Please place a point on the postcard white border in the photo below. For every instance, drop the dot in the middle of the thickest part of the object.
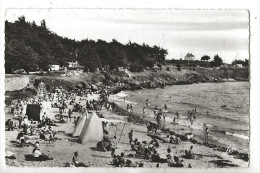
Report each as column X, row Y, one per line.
column 251, row 5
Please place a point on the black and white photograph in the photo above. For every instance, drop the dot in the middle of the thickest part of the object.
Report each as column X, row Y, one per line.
column 126, row 88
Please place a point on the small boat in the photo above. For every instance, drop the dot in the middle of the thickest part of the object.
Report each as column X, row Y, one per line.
column 223, row 106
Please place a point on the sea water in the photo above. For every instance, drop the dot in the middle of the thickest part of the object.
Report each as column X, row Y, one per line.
column 227, row 103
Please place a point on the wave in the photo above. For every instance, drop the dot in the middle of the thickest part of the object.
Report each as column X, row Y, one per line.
column 221, row 118
column 237, row 135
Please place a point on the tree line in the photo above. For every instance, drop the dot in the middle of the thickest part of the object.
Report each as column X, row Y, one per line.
column 216, row 62
column 32, row 47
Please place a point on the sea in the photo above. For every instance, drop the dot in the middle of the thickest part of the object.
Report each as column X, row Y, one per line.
column 227, row 104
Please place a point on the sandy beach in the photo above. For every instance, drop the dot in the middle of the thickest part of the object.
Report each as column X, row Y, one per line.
column 62, row 150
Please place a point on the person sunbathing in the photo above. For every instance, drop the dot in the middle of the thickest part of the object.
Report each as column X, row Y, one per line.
column 177, row 162
column 155, row 157
column 189, row 154
column 178, row 139
column 148, row 152
column 172, row 140
column 168, row 138
column 122, row 159
column 76, row 162
column 169, row 156
column 135, row 142
column 115, row 161
column 134, row 147
column 38, row 155
column 22, row 141
column 154, row 142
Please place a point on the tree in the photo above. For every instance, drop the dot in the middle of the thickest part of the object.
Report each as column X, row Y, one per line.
column 43, row 47
column 20, row 56
column 189, row 55
column 217, row 61
column 245, row 63
column 205, row 58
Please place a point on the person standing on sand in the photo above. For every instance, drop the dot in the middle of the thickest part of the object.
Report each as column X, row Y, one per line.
column 206, row 135
column 164, row 114
column 146, row 102
column 69, row 114
column 131, row 108
column 144, row 113
column 155, row 111
column 159, row 119
column 110, row 108
column 113, row 146
column 191, row 120
column 178, row 115
column 130, row 135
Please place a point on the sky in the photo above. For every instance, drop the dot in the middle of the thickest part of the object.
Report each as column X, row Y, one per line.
column 200, row 32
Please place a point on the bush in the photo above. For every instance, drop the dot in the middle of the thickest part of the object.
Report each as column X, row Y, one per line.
column 135, row 67
column 178, row 66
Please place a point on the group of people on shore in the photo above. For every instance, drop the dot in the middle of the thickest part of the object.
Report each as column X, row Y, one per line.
column 66, row 102
column 61, row 99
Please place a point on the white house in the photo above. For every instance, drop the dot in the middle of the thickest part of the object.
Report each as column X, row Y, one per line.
column 54, row 68
column 239, row 65
column 74, row 65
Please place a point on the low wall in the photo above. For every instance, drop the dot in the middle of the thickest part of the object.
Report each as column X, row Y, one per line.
column 13, row 83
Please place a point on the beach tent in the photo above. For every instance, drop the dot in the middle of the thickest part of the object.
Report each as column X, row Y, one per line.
column 79, row 126
column 92, row 130
column 33, row 112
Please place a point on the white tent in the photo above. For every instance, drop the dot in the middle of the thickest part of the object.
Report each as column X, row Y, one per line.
column 79, row 126
column 92, row 130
